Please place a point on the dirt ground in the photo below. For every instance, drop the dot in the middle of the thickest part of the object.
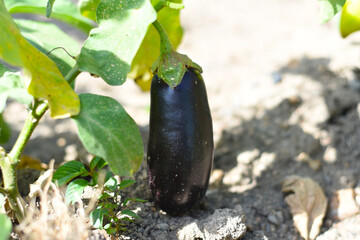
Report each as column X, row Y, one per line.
column 280, row 86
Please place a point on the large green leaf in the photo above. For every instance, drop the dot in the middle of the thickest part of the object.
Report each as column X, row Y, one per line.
column 149, row 50
column 63, row 10
column 88, row 8
column 5, row 226
column 329, row 8
column 111, row 47
column 13, row 86
column 46, row 80
column 106, row 130
column 47, row 36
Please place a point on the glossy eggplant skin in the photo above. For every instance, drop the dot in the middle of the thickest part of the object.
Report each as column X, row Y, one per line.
column 180, row 148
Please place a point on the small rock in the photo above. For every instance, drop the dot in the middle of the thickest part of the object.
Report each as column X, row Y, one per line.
column 222, row 224
column 257, row 235
column 347, row 229
column 272, row 219
column 216, row 178
column 190, row 232
column 248, row 156
column 163, row 226
column 343, row 204
column 279, row 216
column 330, row 155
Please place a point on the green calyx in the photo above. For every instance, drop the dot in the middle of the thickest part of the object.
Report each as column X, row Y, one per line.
column 171, row 67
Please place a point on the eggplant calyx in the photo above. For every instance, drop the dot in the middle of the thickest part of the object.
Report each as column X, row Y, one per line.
column 171, row 67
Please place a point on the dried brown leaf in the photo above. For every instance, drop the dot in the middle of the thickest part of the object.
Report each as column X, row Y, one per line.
column 307, row 204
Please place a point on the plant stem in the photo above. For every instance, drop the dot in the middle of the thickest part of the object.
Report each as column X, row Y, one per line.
column 165, row 43
column 162, row 3
column 9, row 162
column 30, row 124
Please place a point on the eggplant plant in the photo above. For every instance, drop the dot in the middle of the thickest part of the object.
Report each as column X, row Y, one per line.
column 40, row 63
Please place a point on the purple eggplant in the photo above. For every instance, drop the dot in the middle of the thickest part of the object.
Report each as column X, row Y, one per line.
column 180, row 148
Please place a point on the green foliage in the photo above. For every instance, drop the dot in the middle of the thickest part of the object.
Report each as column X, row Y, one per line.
column 68, row 171
column 5, row 226
column 329, row 8
column 63, row 10
column 149, row 50
column 46, row 79
column 88, row 8
column 111, row 47
column 109, row 202
column 46, row 37
column 74, row 190
column 49, row 7
column 106, row 130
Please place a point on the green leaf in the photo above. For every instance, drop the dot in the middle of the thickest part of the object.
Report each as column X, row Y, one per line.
column 74, row 190
column 129, row 213
column 329, row 8
column 111, row 47
column 46, row 79
column 49, row 7
column 68, row 171
column 47, row 36
column 350, row 18
column 111, row 183
column 126, row 183
column 97, row 217
column 88, row 8
column 97, row 162
column 106, row 130
column 63, row 10
column 5, row 226
column 149, row 50
column 13, row 86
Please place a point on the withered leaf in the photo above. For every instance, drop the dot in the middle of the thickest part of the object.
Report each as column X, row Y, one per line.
column 307, row 204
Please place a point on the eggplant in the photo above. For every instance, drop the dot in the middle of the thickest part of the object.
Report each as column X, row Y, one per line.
column 180, row 148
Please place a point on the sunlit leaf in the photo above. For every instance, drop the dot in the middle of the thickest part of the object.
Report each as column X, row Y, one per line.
column 45, row 78
column 68, row 171
column 74, row 190
column 149, row 50
column 63, row 10
column 307, row 205
column 88, row 8
column 46, row 37
column 97, row 217
column 111, row 47
column 329, row 8
column 350, row 18
column 129, row 213
column 106, row 130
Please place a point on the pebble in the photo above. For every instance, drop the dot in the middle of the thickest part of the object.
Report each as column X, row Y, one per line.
column 330, row 155
column 163, row 226
column 248, row 156
column 272, row 219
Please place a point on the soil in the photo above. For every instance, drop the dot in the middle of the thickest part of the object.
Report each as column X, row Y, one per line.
column 280, row 86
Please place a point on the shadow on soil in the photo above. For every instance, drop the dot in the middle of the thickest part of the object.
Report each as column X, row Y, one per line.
column 256, row 185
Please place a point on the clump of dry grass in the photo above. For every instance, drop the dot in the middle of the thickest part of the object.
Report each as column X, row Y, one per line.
column 48, row 216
